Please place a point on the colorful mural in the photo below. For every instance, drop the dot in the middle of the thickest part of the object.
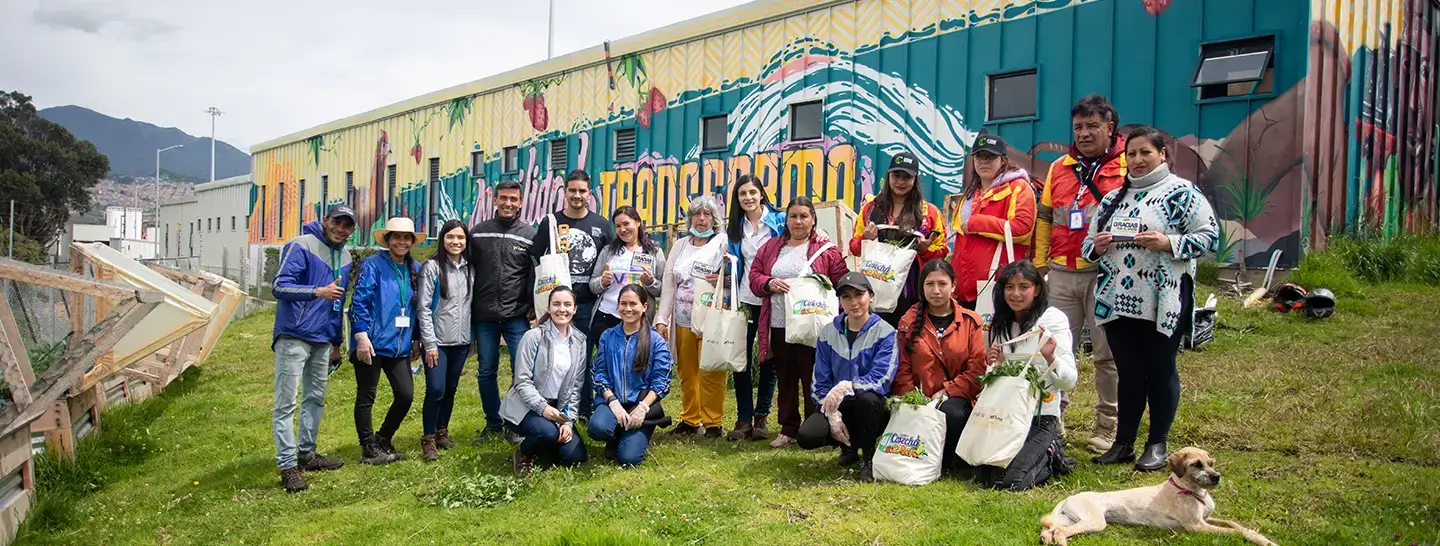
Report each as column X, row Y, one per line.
column 1341, row 139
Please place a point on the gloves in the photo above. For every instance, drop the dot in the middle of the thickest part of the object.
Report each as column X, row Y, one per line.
column 363, row 349
column 622, row 418
column 940, row 396
column 831, row 403
column 637, row 416
column 837, row 428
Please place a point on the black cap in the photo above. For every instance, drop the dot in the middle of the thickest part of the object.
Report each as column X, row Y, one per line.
column 988, row 143
column 904, row 162
column 341, row 211
column 854, row 280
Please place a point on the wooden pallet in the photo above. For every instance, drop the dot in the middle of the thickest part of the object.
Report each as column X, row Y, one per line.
column 17, row 482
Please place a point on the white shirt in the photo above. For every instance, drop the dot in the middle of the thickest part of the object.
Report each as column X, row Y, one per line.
column 549, row 383
column 755, row 234
column 619, row 263
column 791, row 263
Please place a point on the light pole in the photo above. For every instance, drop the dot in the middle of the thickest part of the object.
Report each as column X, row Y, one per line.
column 550, row 45
column 214, row 113
column 157, row 193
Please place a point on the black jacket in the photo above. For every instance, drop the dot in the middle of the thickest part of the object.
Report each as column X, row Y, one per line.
column 504, row 273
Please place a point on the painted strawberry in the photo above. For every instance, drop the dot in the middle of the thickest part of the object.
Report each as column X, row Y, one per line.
column 643, row 115
column 1156, row 7
column 416, row 152
column 529, row 103
column 657, row 100
column 540, row 117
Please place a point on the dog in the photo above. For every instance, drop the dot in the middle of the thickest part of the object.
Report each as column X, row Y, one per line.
column 1182, row 502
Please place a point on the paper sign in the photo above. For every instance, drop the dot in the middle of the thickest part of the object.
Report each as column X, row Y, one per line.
column 1125, row 229
column 641, row 260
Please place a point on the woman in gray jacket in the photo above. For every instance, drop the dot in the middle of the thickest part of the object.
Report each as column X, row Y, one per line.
column 543, row 403
column 444, row 313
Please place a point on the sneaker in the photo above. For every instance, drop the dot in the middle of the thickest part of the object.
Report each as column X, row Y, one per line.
column 685, row 429
column 848, row 456
column 780, row 441
column 370, row 453
column 442, row 439
column 292, row 480
column 316, row 462
column 428, row 450
column 1100, row 440
column 513, row 438
column 867, row 472
column 388, row 447
column 758, row 430
column 522, row 463
column 742, row 430
column 713, row 432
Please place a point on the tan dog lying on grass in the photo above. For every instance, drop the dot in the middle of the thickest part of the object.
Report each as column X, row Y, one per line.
column 1182, row 502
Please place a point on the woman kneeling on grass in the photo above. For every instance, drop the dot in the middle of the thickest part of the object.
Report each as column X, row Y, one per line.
column 542, row 404
column 855, row 361
column 942, row 352
column 1022, row 305
column 632, row 374
column 382, row 313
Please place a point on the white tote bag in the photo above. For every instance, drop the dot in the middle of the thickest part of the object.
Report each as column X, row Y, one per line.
column 553, row 271
column 887, row 266
column 912, row 448
column 985, row 302
column 1000, row 421
column 705, row 292
column 722, row 340
column 811, row 304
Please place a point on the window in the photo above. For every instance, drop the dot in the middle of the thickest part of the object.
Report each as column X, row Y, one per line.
column 806, row 121
column 624, row 145
column 324, row 193
column 558, row 149
column 350, row 186
column 263, row 215
column 477, row 164
column 1236, row 68
column 390, row 191
column 434, row 192
column 280, row 211
column 713, row 133
column 299, row 208
column 1012, row 95
column 217, row 224
column 510, row 160
column 232, row 223
column 208, row 225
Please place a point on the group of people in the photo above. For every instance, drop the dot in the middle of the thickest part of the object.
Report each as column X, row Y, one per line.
column 1109, row 244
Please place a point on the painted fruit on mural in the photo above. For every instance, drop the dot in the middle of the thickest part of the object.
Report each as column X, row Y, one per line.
column 1156, row 7
column 533, row 93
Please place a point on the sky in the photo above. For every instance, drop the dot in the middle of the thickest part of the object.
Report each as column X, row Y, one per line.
column 276, row 67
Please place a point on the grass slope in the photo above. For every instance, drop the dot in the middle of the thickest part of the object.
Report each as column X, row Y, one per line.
column 1326, row 433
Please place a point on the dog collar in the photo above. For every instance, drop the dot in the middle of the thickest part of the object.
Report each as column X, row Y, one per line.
column 1199, row 497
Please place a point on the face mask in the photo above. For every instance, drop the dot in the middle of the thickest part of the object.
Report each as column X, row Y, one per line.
column 702, row 234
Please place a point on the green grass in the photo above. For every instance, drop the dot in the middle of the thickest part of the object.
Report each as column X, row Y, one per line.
column 1326, row 433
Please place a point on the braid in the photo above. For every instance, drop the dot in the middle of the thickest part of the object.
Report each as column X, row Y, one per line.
column 918, row 325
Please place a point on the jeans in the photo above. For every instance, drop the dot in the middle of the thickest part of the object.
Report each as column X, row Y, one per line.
column 298, row 363
column 487, row 366
column 865, row 417
column 1034, row 464
column 542, row 436
column 598, row 326
column 367, row 380
column 441, row 382
column 630, row 445
column 582, row 321
column 747, row 408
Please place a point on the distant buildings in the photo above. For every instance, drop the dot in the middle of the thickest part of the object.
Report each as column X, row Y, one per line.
column 123, row 230
column 210, row 231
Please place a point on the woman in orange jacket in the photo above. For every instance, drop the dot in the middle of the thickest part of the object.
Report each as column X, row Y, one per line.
column 942, row 353
column 908, row 218
column 998, row 193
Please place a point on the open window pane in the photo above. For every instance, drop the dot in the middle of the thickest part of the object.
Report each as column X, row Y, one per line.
column 1236, row 68
column 1012, row 96
column 1245, row 67
column 714, row 133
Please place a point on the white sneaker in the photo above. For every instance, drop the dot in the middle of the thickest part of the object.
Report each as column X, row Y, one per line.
column 780, row 441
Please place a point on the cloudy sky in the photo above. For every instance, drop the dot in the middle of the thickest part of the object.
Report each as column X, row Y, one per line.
column 280, row 66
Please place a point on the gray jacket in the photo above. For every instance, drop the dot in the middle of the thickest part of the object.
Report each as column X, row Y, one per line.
column 532, row 359
column 448, row 322
column 654, row 288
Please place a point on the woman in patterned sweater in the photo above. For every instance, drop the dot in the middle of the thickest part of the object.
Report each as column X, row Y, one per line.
column 1145, row 239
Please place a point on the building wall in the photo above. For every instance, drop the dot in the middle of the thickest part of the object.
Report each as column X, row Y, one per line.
column 223, row 209
column 892, row 73
column 180, row 240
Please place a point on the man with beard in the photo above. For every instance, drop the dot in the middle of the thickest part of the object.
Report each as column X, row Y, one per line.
column 500, row 253
column 580, row 234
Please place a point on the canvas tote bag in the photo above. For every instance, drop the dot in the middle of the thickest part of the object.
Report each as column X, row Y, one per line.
column 723, row 347
column 811, row 304
column 553, row 271
column 888, row 267
column 1000, row 421
column 985, row 303
column 704, row 291
column 911, row 449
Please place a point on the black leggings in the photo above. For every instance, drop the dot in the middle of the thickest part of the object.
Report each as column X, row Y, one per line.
column 1035, row 462
column 957, row 413
column 1145, row 361
column 864, row 415
column 367, row 379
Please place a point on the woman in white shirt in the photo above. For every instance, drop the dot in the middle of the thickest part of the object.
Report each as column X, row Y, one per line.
column 630, row 258
column 753, row 221
column 697, row 255
column 543, row 403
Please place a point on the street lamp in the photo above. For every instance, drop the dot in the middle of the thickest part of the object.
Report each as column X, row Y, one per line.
column 214, row 113
column 157, row 194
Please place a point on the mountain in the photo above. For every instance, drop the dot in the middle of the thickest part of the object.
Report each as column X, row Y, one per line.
column 131, row 146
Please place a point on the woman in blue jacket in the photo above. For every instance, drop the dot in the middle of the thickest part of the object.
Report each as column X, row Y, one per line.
column 385, row 337
column 632, row 375
column 753, row 220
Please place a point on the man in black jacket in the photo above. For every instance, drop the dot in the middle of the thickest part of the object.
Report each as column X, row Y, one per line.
column 504, row 275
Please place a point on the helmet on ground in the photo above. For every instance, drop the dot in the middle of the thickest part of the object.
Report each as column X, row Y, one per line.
column 1289, row 297
column 1320, row 303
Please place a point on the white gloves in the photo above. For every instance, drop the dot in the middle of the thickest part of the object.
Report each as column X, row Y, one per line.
column 363, row 349
column 837, row 428
column 831, row 403
column 940, row 396
column 622, row 417
column 637, row 416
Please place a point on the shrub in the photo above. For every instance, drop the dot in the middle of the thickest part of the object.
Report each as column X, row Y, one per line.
column 1326, row 270
column 482, row 491
column 1207, row 272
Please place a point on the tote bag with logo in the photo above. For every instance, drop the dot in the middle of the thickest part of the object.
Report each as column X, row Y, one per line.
column 888, row 267
column 1000, row 421
column 704, row 291
column 811, row 304
column 985, row 303
column 553, row 271
column 912, row 448
column 722, row 340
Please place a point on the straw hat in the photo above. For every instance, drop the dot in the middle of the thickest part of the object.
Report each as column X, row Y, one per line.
column 398, row 225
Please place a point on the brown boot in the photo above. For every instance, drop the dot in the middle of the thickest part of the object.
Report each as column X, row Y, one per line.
column 442, row 439
column 742, row 429
column 758, row 431
column 428, row 449
column 292, row 480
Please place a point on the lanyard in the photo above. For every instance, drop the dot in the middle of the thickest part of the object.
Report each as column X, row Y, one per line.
column 404, row 272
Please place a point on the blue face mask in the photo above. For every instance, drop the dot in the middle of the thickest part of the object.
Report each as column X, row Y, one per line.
column 702, row 234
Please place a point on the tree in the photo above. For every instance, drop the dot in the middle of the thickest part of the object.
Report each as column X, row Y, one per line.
column 44, row 169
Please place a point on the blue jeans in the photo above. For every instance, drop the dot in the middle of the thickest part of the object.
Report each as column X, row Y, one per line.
column 487, row 366
column 746, row 406
column 630, row 445
column 583, row 315
column 298, row 363
column 440, row 385
column 542, row 436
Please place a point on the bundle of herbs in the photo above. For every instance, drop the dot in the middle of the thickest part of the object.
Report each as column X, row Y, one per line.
column 1015, row 368
column 914, row 398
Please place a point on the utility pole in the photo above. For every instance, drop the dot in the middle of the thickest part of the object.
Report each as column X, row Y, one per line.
column 550, row 47
column 214, row 113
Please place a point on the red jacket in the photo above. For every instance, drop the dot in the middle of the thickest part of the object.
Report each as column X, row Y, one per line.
column 1010, row 200
column 830, row 263
column 1055, row 242
column 953, row 361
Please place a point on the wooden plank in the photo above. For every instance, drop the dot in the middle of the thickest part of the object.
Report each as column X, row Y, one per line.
column 14, row 360
column 75, row 301
column 141, row 374
column 22, row 272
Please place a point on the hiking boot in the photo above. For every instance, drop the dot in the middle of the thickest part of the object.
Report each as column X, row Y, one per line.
column 867, row 472
column 1152, row 458
column 485, row 434
column 388, row 447
column 1100, row 439
column 522, row 463
column 428, row 451
column 849, row 456
column 371, row 453
column 713, row 432
column 1117, row 454
column 742, row 430
column 292, row 480
column 685, row 429
column 316, row 462
column 758, row 430
column 513, row 438
column 442, row 439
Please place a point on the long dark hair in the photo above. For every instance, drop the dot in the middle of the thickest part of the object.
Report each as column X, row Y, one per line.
column 921, row 308
column 616, row 245
column 1004, row 316
column 736, row 228
column 441, row 255
column 642, row 338
column 562, row 289
column 910, row 216
column 801, row 201
column 1156, row 139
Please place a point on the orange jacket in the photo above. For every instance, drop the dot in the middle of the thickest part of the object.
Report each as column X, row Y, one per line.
column 932, row 221
column 1011, row 200
column 953, row 361
column 1055, row 242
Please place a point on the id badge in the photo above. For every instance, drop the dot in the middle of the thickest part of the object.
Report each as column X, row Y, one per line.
column 1125, row 229
column 1077, row 219
column 402, row 321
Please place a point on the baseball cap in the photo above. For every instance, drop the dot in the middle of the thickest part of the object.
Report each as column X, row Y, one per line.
column 341, row 211
column 904, row 162
column 988, row 143
column 853, row 280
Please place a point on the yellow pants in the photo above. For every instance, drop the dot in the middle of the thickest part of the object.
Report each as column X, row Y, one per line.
column 702, row 394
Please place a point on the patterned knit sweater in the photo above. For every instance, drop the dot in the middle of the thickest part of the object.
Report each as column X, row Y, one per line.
column 1139, row 283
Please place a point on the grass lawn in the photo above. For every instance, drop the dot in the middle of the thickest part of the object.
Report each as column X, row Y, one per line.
column 1326, row 433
